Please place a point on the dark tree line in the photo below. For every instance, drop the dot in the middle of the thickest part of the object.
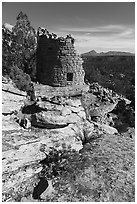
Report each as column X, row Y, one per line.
column 114, row 72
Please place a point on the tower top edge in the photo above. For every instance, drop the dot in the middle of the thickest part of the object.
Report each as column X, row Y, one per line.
column 43, row 32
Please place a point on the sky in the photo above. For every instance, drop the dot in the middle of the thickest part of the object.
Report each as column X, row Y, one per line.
column 100, row 26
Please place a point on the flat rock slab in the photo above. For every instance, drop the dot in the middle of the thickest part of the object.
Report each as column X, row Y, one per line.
column 11, row 88
column 12, row 98
column 21, row 154
column 107, row 129
column 53, row 119
column 8, row 123
column 102, row 109
column 11, row 102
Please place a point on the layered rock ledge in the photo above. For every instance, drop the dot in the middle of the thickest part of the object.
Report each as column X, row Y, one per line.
column 57, row 117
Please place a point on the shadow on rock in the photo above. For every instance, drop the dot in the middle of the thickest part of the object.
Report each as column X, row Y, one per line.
column 40, row 188
column 31, row 109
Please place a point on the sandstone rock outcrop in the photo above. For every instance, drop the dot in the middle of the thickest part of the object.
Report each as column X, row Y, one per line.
column 107, row 129
column 56, row 120
column 12, row 101
column 22, row 154
column 12, row 98
column 54, row 116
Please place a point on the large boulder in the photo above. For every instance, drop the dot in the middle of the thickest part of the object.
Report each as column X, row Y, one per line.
column 69, row 135
column 52, row 114
column 74, row 103
column 102, row 109
column 54, row 119
column 65, row 111
column 76, row 109
column 46, row 105
column 96, row 108
column 48, row 119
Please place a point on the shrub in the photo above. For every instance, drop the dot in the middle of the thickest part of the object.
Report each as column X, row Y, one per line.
column 102, row 172
column 21, row 80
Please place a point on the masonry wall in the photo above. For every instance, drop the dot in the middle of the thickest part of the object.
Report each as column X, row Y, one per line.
column 58, row 64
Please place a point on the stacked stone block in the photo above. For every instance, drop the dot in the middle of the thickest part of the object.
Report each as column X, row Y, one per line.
column 58, row 63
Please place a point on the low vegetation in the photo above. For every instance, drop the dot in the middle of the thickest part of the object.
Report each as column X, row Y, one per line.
column 102, row 172
column 21, row 79
column 114, row 72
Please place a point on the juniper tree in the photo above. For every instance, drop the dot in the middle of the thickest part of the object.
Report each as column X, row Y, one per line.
column 24, row 44
column 18, row 52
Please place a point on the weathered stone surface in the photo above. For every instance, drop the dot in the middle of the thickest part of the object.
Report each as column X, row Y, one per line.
column 12, row 101
column 46, row 91
column 73, row 118
column 63, row 120
column 45, row 105
column 65, row 111
column 22, row 153
column 43, row 119
column 54, row 119
column 76, row 109
column 24, row 148
column 68, row 135
column 20, row 158
column 102, row 109
column 58, row 64
column 8, row 86
column 107, row 129
column 20, row 176
column 82, row 114
column 8, row 123
column 74, row 103
column 87, row 99
column 54, row 115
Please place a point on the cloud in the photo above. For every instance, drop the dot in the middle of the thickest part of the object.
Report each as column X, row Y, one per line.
column 98, row 29
column 105, row 43
column 102, row 38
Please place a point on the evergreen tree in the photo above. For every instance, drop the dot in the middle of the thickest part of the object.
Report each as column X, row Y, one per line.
column 24, row 44
column 6, row 50
column 19, row 52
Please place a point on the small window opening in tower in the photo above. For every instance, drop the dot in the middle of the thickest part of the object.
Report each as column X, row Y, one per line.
column 69, row 76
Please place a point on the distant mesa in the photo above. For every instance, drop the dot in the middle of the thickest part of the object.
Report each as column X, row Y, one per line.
column 109, row 53
column 92, row 52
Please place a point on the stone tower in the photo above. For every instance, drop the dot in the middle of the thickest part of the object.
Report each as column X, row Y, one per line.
column 58, row 64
